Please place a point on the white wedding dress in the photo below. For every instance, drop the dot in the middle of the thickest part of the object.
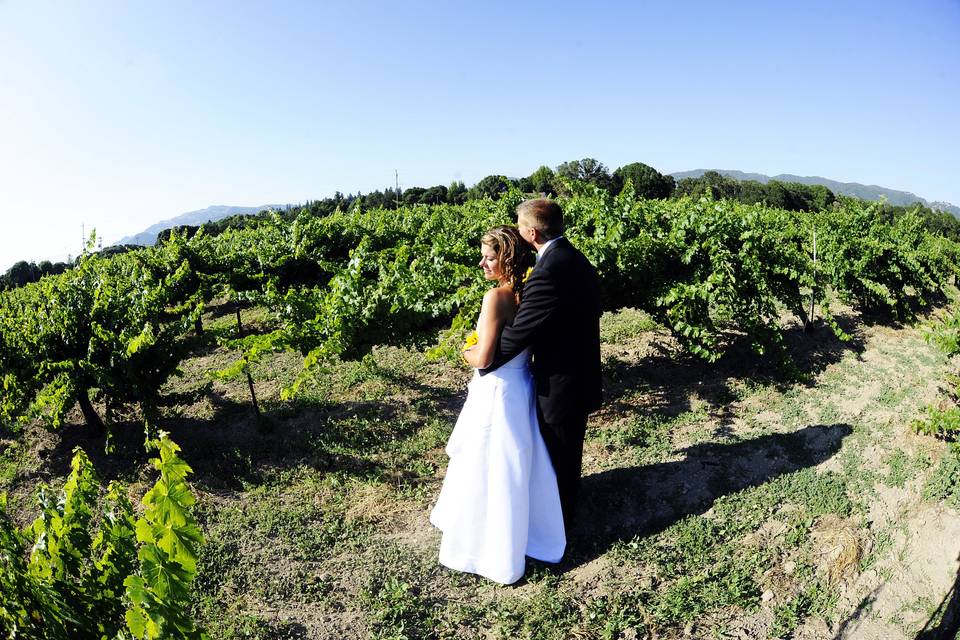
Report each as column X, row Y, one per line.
column 499, row 500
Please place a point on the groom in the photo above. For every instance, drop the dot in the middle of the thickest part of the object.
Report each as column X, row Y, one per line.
column 559, row 317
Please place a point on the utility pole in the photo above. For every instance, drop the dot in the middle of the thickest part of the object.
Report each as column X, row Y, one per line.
column 396, row 192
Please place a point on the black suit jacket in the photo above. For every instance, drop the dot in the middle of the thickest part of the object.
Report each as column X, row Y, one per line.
column 559, row 317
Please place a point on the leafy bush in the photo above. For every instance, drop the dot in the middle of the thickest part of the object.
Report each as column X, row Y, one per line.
column 943, row 423
column 944, row 483
column 106, row 576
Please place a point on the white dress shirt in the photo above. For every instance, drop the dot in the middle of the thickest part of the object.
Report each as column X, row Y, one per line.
column 546, row 245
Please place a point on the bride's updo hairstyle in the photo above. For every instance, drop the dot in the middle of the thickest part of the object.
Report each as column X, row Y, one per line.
column 513, row 253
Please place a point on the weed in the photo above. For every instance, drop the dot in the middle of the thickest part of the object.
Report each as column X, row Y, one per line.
column 396, row 610
column 900, row 469
column 882, row 543
column 548, row 614
column 625, row 324
column 944, row 483
column 13, row 459
column 610, row 615
column 702, row 568
column 647, row 436
column 815, row 599
column 253, row 627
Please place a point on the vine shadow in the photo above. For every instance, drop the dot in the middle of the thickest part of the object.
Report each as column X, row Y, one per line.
column 667, row 381
column 944, row 624
column 232, row 448
column 863, row 607
column 622, row 504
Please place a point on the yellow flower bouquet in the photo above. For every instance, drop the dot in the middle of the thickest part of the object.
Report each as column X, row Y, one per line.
column 472, row 341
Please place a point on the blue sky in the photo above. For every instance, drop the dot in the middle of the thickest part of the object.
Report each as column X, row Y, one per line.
column 120, row 114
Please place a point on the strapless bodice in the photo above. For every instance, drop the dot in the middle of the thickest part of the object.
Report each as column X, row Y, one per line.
column 519, row 361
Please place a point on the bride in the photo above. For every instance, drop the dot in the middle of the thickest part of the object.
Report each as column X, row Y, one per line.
column 499, row 500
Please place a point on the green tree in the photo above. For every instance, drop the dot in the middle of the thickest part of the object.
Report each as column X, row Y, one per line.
column 492, row 186
column 752, row 192
column 524, row 185
column 22, row 273
column 587, row 170
column 542, row 180
column 647, row 182
column 434, row 195
column 456, row 192
column 412, row 195
column 714, row 183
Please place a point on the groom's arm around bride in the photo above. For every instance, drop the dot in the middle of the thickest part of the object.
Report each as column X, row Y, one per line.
column 559, row 318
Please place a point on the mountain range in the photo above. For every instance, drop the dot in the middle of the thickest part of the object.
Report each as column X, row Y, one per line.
column 864, row 191
column 855, row 189
column 148, row 236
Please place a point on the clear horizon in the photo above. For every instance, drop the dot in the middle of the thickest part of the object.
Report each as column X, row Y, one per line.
column 119, row 115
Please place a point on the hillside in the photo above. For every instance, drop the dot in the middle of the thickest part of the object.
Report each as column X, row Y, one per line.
column 148, row 236
column 854, row 189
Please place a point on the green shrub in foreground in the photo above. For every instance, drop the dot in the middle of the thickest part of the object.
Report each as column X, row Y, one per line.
column 118, row 578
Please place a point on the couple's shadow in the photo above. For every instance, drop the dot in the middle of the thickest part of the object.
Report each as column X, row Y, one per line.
column 622, row 504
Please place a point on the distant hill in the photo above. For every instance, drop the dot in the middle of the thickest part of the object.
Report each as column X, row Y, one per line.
column 148, row 237
column 855, row 189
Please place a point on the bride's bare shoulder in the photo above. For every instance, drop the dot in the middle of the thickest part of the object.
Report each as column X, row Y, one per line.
column 500, row 299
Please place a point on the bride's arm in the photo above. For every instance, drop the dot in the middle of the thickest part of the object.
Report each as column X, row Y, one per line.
column 493, row 315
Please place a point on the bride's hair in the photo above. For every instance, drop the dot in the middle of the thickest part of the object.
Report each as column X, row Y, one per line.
column 513, row 253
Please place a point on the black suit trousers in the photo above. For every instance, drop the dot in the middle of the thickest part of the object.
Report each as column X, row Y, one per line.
column 564, row 442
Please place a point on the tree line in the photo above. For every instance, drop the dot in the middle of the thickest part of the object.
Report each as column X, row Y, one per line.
column 645, row 181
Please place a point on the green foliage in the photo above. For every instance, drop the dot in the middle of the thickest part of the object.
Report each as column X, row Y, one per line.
column 334, row 285
column 944, row 483
column 28, row 608
column 117, row 326
column 169, row 538
column 646, row 181
column 882, row 266
column 703, row 269
column 945, row 333
column 103, row 577
column 943, row 423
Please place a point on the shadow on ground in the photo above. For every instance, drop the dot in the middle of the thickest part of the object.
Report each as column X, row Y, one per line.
column 944, row 624
column 622, row 504
column 233, row 448
column 666, row 380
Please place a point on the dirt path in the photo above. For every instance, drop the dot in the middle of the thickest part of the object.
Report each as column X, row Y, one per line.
column 916, row 544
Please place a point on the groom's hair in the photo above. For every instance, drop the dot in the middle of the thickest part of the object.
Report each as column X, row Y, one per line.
column 542, row 214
